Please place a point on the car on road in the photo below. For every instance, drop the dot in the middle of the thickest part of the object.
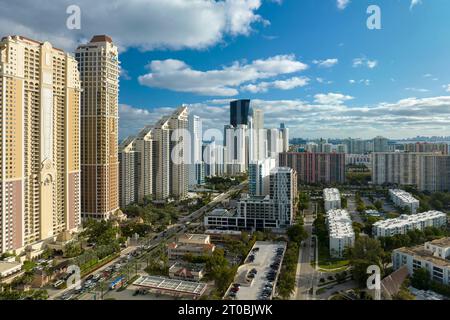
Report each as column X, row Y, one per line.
column 67, row 296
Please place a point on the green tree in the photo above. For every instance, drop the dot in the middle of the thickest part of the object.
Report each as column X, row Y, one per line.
column 297, row 233
column 421, row 279
column 366, row 252
column 72, row 249
column 378, row 205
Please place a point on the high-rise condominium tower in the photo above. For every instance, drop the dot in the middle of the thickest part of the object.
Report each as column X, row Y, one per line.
column 99, row 69
column 179, row 170
column 39, row 146
column 154, row 163
column 239, row 112
column 196, row 165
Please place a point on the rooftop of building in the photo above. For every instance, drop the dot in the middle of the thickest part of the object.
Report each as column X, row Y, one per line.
column 443, row 243
column 339, row 223
column 32, row 41
column 193, row 267
column 420, row 253
column 6, row 266
column 281, row 170
column 220, row 213
column 145, row 131
column 101, row 38
column 331, row 194
column 403, row 196
column 223, row 232
column 407, row 219
column 193, row 237
column 171, row 285
column 126, row 145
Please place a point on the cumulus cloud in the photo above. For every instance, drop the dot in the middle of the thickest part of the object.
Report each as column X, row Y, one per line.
column 328, row 63
column 331, row 98
column 177, row 76
column 364, row 62
column 446, row 87
column 288, row 84
column 145, row 24
column 342, row 4
column 404, row 118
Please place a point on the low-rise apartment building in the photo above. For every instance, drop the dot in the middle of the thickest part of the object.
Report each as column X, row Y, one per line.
column 404, row 199
column 331, row 199
column 404, row 223
column 341, row 234
column 194, row 244
column 187, row 272
column 433, row 256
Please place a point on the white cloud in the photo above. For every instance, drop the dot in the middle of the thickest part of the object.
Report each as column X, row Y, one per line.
column 323, row 81
column 414, row 3
column 176, row 75
column 446, row 87
column 124, row 74
column 421, row 90
column 145, row 24
column 342, row 4
column 360, row 62
column 404, row 118
column 288, row 84
column 366, row 82
column 328, row 63
column 331, row 98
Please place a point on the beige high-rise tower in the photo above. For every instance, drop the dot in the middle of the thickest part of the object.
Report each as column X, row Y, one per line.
column 99, row 70
column 39, row 143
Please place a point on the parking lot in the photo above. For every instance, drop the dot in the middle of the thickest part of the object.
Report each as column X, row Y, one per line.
column 257, row 277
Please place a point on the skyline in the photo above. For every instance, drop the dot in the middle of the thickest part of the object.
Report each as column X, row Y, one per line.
column 330, row 77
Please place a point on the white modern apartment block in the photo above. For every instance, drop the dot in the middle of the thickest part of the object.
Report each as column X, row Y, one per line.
column 127, row 172
column 404, row 223
column 259, row 176
column 283, row 191
column 331, row 199
column 258, row 137
column 340, row 229
column 273, row 211
column 144, row 147
column 404, row 199
column 276, row 143
column 213, row 158
column 433, row 256
column 196, row 166
column 154, row 161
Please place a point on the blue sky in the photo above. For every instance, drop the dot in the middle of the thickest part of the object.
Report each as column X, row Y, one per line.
column 312, row 64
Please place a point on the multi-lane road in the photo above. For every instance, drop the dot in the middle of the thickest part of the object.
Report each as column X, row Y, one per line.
column 306, row 278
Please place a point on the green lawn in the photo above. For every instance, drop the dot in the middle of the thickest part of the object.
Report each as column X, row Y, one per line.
column 328, row 263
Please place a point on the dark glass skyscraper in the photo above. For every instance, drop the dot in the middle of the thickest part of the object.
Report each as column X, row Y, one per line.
column 239, row 112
